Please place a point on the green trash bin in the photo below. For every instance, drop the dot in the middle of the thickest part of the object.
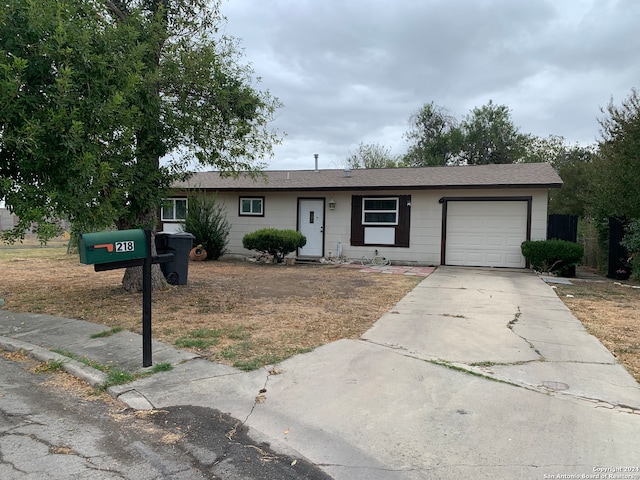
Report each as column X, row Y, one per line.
column 180, row 244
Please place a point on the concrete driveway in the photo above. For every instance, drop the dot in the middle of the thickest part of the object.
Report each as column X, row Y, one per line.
column 474, row 374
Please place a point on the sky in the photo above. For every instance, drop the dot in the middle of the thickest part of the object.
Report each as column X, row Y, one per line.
column 352, row 71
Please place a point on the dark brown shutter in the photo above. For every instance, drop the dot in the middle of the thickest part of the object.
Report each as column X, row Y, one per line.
column 404, row 221
column 357, row 229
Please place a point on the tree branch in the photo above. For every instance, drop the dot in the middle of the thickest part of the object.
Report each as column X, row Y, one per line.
column 117, row 8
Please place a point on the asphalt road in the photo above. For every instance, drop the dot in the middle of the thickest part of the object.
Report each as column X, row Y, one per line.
column 54, row 432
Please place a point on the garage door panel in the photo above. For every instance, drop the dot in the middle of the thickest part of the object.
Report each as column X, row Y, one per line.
column 475, row 257
column 512, row 241
column 459, row 240
column 492, row 241
column 491, row 222
column 493, row 257
column 474, row 241
column 455, row 258
column 513, row 259
column 486, row 233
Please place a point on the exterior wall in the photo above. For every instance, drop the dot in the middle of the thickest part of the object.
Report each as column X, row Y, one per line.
column 281, row 209
column 539, row 216
column 7, row 219
column 426, row 223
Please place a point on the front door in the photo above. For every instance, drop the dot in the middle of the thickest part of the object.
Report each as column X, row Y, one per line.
column 311, row 225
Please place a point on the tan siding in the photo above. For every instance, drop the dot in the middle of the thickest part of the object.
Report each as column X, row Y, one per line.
column 426, row 219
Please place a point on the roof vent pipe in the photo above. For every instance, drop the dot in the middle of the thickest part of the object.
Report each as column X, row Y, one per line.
column 315, row 155
column 347, row 172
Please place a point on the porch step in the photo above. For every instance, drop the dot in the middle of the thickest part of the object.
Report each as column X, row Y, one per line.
column 308, row 260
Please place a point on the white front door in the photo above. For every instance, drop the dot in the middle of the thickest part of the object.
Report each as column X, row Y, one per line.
column 311, row 225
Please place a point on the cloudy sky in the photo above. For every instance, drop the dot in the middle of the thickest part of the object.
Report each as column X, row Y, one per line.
column 351, row 71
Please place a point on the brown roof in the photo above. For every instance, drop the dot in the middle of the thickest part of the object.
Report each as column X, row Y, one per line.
column 540, row 175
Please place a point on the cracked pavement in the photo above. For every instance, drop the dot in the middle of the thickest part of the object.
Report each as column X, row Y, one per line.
column 46, row 434
column 50, row 431
column 476, row 373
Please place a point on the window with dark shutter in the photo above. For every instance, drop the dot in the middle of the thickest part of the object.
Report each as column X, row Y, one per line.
column 404, row 221
column 357, row 229
column 380, row 220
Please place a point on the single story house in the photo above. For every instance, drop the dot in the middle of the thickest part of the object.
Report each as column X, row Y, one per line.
column 464, row 215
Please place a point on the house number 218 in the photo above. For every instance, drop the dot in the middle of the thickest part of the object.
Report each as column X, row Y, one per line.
column 125, row 246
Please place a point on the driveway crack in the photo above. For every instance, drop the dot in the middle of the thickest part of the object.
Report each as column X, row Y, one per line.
column 515, row 319
column 393, row 346
column 260, row 398
column 512, row 323
column 599, row 403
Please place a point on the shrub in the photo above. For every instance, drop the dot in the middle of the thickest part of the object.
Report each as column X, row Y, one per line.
column 45, row 231
column 552, row 255
column 631, row 241
column 207, row 221
column 274, row 242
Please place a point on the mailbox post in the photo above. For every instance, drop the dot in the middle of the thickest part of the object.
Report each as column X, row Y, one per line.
column 121, row 249
column 147, row 360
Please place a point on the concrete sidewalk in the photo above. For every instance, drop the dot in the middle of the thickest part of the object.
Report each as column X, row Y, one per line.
column 474, row 374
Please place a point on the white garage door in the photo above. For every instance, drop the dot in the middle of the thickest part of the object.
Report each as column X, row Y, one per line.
column 486, row 234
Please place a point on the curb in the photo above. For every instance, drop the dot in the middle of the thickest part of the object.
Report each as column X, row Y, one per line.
column 131, row 397
column 93, row 377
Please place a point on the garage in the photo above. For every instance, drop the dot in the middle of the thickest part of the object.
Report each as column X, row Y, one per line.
column 485, row 232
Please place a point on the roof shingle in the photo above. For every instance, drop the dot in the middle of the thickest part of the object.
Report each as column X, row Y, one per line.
column 522, row 175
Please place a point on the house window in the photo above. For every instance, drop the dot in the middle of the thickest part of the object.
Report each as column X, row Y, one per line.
column 252, row 206
column 380, row 211
column 174, row 209
column 383, row 220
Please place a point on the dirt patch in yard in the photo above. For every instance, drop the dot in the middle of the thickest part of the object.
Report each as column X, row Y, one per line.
column 235, row 312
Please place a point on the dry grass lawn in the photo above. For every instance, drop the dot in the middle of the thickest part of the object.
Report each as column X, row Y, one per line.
column 248, row 315
column 611, row 312
column 235, row 312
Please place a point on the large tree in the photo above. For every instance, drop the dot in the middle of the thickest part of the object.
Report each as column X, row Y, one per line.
column 96, row 92
column 64, row 114
column 576, row 166
column 486, row 135
column 617, row 190
column 490, row 136
column 371, row 155
column 552, row 149
column 434, row 137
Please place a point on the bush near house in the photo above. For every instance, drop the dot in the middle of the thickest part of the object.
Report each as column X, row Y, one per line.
column 207, row 221
column 552, row 255
column 272, row 241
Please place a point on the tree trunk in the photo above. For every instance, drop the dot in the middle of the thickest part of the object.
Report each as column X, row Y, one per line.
column 132, row 279
column 150, row 145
